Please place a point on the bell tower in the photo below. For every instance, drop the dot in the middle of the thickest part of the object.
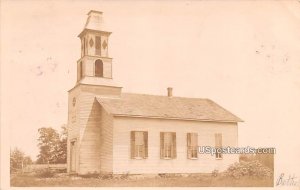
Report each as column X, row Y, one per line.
column 95, row 66
column 94, row 80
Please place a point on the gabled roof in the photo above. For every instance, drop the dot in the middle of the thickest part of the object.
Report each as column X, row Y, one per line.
column 151, row 106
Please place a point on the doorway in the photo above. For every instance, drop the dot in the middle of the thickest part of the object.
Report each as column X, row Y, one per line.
column 73, row 156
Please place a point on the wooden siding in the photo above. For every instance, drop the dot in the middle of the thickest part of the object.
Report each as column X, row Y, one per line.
column 99, row 91
column 104, row 52
column 181, row 164
column 89, row 147
column 107, row 68
column 89, row 66
column 73, row 125
column 106, row 142
column 86, row 129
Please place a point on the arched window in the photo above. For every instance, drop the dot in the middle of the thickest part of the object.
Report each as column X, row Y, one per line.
column 98, row 68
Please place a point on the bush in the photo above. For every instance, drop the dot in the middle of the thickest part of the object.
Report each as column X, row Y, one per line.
column 247, row 157
column 125, row 175
column 106, row 176
column 61, row 170
column 215, row 173
column 44, row 173
column 90, row 175
column 252, row 168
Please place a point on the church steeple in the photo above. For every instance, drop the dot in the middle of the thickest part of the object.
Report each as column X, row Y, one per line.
column 94, row 80
column 95, row 65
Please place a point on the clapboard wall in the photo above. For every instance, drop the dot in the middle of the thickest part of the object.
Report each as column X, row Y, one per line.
column 85, row 119
column 181, row 164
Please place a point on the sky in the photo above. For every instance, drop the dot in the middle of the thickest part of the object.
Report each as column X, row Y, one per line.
column 244, row 55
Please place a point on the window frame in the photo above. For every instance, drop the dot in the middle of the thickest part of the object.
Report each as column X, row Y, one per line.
column 81, row 70
column 134, row 151
column 83, row 46
column 99, row 66
column 171, row 148
column 73, row 154
column 192, row 149
column 218, row 145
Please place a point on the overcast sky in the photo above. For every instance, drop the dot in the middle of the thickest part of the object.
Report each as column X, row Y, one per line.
column 244, row 55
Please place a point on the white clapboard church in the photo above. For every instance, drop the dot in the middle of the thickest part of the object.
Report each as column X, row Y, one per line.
column 114, row 132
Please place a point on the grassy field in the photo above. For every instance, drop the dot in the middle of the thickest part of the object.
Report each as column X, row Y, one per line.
column 22, row 180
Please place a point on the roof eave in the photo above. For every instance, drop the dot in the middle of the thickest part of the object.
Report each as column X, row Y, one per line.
column 91, row 30
column 176, row 118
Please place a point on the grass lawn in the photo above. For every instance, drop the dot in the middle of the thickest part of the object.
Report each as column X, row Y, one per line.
column 25, row 180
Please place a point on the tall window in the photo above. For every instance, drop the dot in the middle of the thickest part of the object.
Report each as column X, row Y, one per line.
column 218, row 142
column 80, row 70
column 139, row 144
column 192, row 145
column 73, row 156
column 168, row 145
column 99, row 68
column 98, row 45
column 86, row 46
column 83, row 46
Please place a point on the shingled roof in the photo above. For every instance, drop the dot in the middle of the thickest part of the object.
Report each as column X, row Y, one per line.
column 140, row 105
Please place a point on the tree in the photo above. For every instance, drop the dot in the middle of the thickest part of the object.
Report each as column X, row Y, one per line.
column 48, row 144
column 27, row 160
column 18, row 160
column 52, row 145
column 62, row 148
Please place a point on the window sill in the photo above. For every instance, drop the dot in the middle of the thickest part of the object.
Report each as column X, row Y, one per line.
column 193, row 158
column 219, row 158
column 167, row 158
column 138, row 158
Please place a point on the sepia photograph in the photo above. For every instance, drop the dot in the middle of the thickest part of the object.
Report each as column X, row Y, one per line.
column 150, row 93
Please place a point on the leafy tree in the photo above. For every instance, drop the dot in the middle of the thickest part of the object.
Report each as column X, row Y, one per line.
column 18, row 160
column 27, row 160
column 48, row 144
column 52, row 145
column 62, row 148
